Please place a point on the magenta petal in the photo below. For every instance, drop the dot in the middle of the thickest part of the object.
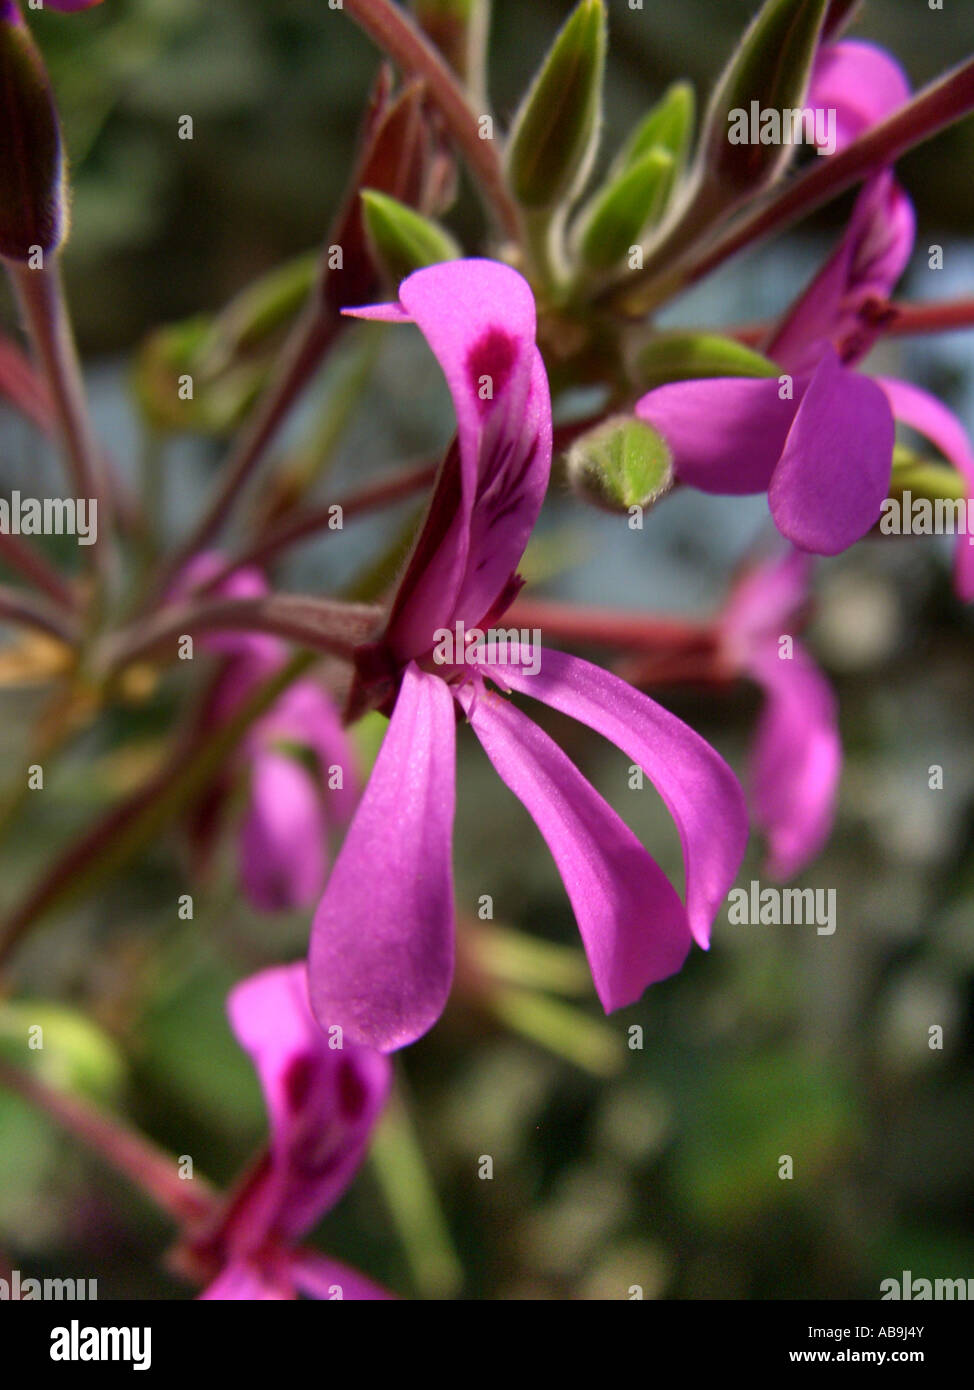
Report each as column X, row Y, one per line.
column 243, row 1280
column 478, row 316
column 322, row 1101
column 632, row 923
column 796, row 760
column 318, row 1276
column 861, row 82
column 925, row 414
column 306, row 715
column 764, row 601
column 283, row 837
column 700, row 791
column 381, row 958
column 726, row 433
column 829, row 487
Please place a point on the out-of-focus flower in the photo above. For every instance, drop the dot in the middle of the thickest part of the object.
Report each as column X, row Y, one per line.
column 322, row 1101
column 796, row 758
column 382, row 944
column 300, row 764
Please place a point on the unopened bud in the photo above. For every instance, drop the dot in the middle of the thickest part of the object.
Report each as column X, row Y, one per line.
column 621, row 463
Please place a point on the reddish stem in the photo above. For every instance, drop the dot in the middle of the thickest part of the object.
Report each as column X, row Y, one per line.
column 607, row 627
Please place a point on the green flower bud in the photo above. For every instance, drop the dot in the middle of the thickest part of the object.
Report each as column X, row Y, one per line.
column 33, row 205
column 403, row 240
column 625, row 208
column 621, row 463
column 668, row 126
column 923, row 477
column 683, row 356
column 768, row 73
column 556, row 130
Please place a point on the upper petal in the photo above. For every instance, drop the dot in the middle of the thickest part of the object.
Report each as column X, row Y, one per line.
column 700, row 791
column 829, row 487
column 726, row 434
column 322, row 1102
column 478, row 316
column 861, row 82
column 632, row 922
column 381, row 958
column 929, row 417
column 796, row 759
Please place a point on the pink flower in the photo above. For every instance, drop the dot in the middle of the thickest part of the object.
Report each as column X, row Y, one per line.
column 381, row 958
column 323, row 1102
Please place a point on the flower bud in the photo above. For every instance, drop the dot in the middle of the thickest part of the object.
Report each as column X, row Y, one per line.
column 625, row 208
column 556, row 130
column 769, row 72
column 621, row 463
column 33, row 206
column 668, row 126
column 403, row 240
column 683, row 356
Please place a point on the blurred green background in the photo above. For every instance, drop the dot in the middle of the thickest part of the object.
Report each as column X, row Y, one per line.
column 663, row 1174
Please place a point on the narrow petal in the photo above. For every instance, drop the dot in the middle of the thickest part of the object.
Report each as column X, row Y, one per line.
column 283, row 839
column 318, row 1276
column 381, row 959
column 829, row 487
column 726, row 434
column 861, row 82
column 632, row 922
column 765, row 600
column 322, row 1102
column 796, row 759
column 929, row 417
column 700, row 791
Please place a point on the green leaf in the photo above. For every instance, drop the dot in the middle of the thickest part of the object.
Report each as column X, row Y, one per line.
column 622, row 463
column 625, row 208
column 65, row 1048
column 556, row 130
column 401, row 239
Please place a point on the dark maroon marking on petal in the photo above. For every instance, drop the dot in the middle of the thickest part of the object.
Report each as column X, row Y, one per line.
column 298, row 1080
column 352, row 1091
column 492, row 355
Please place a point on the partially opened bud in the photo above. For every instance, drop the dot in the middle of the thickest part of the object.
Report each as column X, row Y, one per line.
column 620, row 464
column 403, row 240
column 33, row 205
column 556, row 130
column 769, row 73
column 625, row 208
column 683, row 356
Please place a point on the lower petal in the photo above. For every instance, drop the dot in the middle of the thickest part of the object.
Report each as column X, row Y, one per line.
column 282, row 839
column 381, row 958
column 633, row 925
column 320, row 1277
column 828, row 490
column 701, row 793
